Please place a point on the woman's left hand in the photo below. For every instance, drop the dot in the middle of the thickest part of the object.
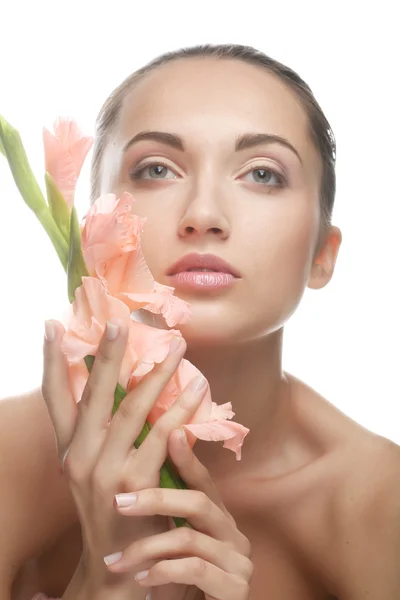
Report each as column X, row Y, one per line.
column 213, row 556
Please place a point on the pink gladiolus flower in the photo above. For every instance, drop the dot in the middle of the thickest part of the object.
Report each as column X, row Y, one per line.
column 211, row 422
column 65, row 152
column 112, row 252
column 90, row 311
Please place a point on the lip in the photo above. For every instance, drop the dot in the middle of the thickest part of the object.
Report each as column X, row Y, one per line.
column 203, row 261
column 187, row 274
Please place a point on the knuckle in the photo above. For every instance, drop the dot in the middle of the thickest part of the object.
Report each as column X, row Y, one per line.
column 203, row 503
column 86, row 395
column 162, row 569
column 248, row 569
column 74, row 469
column 104, row 354
column 125, row 411
column 156, row 496
column 187, row 537
column 199, row 567
column 161, row 431
column 245, row 546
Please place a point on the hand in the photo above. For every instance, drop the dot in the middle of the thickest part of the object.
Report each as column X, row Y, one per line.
column 213, row 556
column 98, row 455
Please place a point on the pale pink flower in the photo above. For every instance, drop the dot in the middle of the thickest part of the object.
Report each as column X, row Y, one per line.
column 112, row 252
column 211, row 422
column 65, row 151
column 89, row 313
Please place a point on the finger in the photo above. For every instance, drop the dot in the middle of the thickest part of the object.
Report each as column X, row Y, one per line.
column 197, row 477
column 176, row 543
column 153, row 451
column 56, row 389
column 94, row 409
column 194, row 506
column 132, row 413
column 195, row 571
column 192, row 471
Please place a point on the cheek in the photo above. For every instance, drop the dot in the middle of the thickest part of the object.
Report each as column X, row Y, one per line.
column 282, row 252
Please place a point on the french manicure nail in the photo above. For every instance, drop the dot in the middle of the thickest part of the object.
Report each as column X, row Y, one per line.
column 111, row 559
column 198, row 383
column 49, row 331
column 175, row 344
column 124, row 500
column 141, row 575
column 182, row 436
column 112, row 330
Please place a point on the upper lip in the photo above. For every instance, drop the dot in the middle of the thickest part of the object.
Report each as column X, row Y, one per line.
column 202, row 261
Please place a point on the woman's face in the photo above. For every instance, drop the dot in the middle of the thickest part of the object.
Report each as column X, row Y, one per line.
column 255, row 206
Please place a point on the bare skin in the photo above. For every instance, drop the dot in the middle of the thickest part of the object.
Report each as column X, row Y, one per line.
column 314, row 490
column 297, row 518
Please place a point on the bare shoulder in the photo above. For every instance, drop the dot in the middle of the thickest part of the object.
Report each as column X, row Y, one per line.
column 361, row 482
column 35, row 503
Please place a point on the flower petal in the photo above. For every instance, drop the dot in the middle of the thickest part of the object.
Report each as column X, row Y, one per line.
column 232, row 433
column 65, row 152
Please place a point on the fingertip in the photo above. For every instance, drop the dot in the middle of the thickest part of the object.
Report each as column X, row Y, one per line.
column 52, row 330
column 178, row 444
column 178, row 436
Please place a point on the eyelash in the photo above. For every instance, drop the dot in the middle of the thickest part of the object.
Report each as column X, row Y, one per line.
column 282, row 182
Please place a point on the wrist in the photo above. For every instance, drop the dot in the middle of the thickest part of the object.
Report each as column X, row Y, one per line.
column 97, row 583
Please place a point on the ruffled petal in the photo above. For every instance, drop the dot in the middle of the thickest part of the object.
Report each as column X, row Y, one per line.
column 65, row 152
column 231, row 433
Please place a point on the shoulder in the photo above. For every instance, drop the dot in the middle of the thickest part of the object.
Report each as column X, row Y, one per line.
column 35, row 503
column 360, row 476
column 368, row 509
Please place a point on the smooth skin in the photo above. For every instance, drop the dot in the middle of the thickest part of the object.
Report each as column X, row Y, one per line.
column 312, row 511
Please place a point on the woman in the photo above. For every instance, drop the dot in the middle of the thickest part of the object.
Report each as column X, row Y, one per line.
column 231, row 160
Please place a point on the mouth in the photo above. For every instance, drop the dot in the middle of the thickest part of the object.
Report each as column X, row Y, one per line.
column 203, row 263
column 203, row 272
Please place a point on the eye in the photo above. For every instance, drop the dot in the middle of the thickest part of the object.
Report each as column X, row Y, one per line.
column 264, row 175
column 153, row 170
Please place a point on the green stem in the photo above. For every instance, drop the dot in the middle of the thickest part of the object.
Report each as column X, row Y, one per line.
column 169, row 477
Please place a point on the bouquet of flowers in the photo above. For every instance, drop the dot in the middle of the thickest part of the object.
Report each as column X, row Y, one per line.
column 108, row 278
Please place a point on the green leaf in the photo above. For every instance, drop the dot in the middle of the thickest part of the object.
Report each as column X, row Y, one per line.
column 20, row 168
column 76, row 263
column 58, row 206
column 13, row 149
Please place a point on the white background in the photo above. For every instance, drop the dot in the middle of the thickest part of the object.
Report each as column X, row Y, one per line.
column 65, row 58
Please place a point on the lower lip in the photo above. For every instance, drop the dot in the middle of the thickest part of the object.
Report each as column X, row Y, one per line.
column 203, row 280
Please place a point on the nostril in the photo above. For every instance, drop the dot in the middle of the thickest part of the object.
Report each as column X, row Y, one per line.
column 215, row 230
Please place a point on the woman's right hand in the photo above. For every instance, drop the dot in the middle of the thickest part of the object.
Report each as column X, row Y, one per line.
column 97, row 452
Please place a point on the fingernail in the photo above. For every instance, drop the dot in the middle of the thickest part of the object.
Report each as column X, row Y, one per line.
column 175, row 344
column 123, row 500
column 111, row 559
column 49, row 331
column 141, row 575
column 112, row 330
column 182, row 436
column 198, row 383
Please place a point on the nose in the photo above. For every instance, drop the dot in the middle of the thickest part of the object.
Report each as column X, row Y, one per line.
column 204, row 216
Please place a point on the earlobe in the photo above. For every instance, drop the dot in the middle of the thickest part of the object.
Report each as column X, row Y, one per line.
column 324, row 264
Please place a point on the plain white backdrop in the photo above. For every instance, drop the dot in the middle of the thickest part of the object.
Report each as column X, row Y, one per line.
column 64, row 58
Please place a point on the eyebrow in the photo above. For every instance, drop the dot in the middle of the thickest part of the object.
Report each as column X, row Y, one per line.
column 243, row 141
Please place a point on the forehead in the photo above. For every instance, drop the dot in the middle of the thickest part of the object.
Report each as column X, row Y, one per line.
column 209, row 100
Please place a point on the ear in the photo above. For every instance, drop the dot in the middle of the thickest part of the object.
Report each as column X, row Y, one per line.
column 325, row 261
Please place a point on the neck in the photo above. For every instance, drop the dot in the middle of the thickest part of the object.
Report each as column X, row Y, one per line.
column 250, row 376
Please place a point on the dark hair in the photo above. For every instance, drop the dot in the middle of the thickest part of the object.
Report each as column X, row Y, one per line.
column 320, row 130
